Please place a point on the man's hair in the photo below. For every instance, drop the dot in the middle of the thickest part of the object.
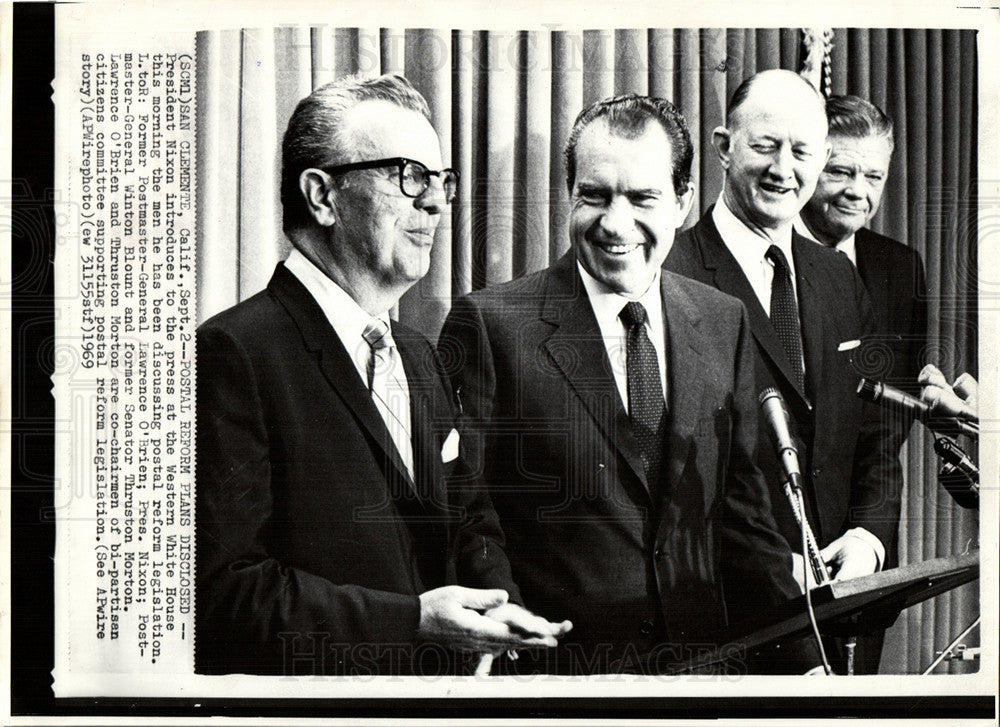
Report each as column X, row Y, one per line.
column 856, row 118
column 314, row 137
column 628, row 116
column 742, row 91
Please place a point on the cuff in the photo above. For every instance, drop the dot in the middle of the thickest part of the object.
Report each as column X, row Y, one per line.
column 873, row 541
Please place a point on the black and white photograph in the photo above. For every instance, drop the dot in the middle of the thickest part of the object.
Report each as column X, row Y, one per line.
column 469, row 362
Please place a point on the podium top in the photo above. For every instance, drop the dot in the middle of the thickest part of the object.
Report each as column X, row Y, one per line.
column 856, row 605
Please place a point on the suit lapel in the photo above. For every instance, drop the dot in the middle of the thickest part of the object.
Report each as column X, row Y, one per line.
column 729, row 278
column 812, row 293
column 338, row 368
column 684, row 380
column 577, row 349
column 425, row 393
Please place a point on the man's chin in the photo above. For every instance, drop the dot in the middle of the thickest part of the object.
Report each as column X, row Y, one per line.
column 777, row 215
column 630, row 282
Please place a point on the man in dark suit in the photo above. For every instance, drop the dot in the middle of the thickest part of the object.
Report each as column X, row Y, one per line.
column 327, row 537
column 808, row 315
column 846, row 199
column 612, row 409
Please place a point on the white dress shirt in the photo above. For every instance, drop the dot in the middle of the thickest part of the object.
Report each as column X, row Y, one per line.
column 607, row 305
column 749, row 249
column 349, row 321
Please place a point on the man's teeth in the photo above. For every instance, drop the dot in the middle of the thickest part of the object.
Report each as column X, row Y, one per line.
column 619, row 249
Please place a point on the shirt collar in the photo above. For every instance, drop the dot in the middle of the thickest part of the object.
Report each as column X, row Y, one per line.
column 746, row 245
column 341, row 310
column 845, row 246
column 607, row 304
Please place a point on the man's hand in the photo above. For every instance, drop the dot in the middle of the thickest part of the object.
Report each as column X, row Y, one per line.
column 521, row 621
column 524, row 622
column 454, row 616
column 959, row 399
column 849, row 557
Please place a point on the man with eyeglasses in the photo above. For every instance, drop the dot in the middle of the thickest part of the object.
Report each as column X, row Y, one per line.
column 329, row 541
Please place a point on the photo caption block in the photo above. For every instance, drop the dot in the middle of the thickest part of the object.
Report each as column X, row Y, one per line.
column 125, row 359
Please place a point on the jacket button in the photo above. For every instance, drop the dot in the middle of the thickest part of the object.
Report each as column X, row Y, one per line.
column 658, row 554
column 646, row 628
column 816, row 471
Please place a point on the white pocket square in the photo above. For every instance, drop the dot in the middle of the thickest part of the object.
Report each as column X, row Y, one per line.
column 848, row 345
column 449, row 450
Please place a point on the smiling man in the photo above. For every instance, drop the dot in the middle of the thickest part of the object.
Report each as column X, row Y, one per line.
column 329, row 540
column 808, row 313
column 848, row 195
column 611, row 408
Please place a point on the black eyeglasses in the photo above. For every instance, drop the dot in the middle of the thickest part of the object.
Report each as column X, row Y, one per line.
column 414, row 177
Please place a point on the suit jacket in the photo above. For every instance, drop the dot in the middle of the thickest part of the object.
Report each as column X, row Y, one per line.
column 646, row 582
column 893, row 274
column 313, row 542
column 850, row 459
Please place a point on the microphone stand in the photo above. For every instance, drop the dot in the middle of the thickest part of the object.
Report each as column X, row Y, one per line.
column 810, row 548
column 811, row 560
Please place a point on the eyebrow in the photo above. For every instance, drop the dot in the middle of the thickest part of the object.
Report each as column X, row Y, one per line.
column 592, row 187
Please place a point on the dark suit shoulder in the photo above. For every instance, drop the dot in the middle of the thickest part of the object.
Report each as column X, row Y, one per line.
column 716, row 313
column 527, row 288
column 814, row 251
column 877, row 245
column 685, row 256
column 701, row 294
column 248, row 316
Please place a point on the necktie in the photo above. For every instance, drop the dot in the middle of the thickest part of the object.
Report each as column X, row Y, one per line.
column 785, row 313
column 646, row 408
column 387, row 385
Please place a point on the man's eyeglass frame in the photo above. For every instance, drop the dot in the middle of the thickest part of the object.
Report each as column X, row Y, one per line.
column 402, row 163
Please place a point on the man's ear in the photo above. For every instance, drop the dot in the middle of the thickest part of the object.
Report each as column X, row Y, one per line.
column 318, row 193
column 684, row 202
column 722, row 140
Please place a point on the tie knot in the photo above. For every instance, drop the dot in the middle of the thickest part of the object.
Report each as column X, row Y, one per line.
column 633, row 314
column 777, row 257
column 377, row 334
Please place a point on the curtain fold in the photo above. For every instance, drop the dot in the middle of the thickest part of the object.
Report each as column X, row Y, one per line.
column 503, row 104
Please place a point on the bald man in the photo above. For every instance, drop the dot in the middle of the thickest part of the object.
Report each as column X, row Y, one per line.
column 808, row 313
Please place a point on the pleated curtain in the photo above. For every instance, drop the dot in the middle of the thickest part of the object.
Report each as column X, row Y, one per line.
column 503, row 103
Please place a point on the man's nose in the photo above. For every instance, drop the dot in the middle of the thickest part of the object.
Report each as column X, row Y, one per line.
column 855, row 188
column 617, row 219
column 433, row 200
column 782, row 163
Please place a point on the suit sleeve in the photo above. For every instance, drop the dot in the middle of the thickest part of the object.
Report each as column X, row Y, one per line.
column 757, row 562
column 251, row 608
column 877, row 475
column 479, row 555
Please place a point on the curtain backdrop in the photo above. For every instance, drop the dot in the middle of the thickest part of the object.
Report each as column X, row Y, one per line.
column 503, row 104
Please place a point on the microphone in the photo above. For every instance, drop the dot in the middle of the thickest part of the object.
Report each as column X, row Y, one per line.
column 772, row 404
column 776, row 416
column 959, row 475
column 891, row 398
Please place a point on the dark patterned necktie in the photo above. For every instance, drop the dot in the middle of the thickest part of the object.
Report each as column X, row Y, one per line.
column 785, row 313
column 646, row 408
